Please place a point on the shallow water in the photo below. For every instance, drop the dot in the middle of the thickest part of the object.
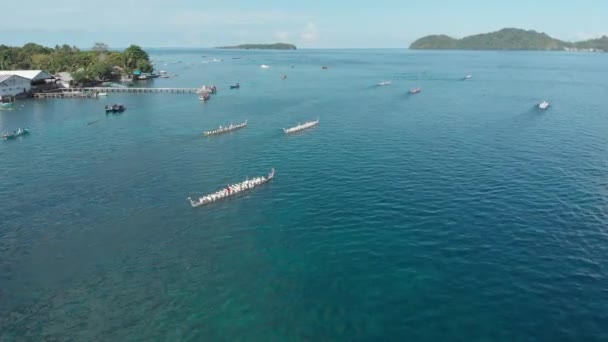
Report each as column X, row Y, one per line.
column 460, row 213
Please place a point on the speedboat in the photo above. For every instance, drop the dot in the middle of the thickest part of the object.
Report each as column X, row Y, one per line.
column 15, row 134
column 543, row 105
column 236, row 86
column 264, row 66
column 415, row 91
column 384, row 83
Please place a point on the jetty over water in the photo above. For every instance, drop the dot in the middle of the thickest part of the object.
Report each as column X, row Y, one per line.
column 138, row 90
column 93, row 92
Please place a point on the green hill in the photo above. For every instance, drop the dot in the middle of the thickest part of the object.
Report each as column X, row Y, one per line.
column 506, row 39
column 600, row 43
column 275, row 46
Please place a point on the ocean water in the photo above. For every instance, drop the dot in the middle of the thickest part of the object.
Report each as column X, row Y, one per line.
column 458, row 214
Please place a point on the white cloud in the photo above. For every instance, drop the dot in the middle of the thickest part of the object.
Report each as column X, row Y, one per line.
column 281, row 36
column 194, row 19
column 310, row 33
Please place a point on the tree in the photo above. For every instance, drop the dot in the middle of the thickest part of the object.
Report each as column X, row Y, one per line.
column 116, row 59
column 144, row 65
column 100, row 71
column 80, row 76
column 100, row 47
column 132, row 57
column 41, row 61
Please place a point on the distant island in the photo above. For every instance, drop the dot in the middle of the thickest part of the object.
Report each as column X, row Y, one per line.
column 275, row 46
column 509, row 39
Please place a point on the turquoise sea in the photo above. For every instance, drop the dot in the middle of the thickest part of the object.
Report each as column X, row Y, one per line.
column 458, row 214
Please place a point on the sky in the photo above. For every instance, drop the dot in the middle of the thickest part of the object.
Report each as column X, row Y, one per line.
column 308, row 24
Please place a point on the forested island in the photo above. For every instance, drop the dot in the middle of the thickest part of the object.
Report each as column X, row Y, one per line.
column 95, row 65
column 275, row 46
column 509, row 39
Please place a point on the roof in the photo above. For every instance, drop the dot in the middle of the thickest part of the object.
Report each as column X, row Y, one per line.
column 32, row 75
column 64, row 76
column 6, row 77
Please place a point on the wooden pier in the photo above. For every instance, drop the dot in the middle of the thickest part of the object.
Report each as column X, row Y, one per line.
column 138, row 90
column 93, row 92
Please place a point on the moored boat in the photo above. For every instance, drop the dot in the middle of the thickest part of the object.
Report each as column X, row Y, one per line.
column 6, row 103
column 384, row 83
column 467, row 77
column 207, row 90
column 231, row 190
column 115, row 108
column 225, row 129
column 204, row 97
column 300, row 127
column 415, row 91
column 264, row 66
column 235, row 86
column 15, row 134
column 543, row 105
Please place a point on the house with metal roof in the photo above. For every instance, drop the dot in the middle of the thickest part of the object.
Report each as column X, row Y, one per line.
column 13, row 85
column 35, row 76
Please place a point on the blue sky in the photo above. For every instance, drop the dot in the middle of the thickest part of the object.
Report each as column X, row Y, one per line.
column 308, row 24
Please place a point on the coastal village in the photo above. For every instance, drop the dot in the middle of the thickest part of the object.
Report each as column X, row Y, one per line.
column 37, row 71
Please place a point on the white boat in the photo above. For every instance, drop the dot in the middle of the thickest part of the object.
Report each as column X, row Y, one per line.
column 384, row 83
column 226, row 129
column 102, row 94
column 300, row 127
column 468, row 77
column 231, row 190
column 207, row 90
column 264, row 66
column 543, row 105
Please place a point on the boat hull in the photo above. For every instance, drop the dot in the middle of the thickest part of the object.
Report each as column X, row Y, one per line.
column 232, row 190
column 301, row 127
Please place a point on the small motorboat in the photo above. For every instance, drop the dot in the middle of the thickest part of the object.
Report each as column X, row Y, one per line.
column 543, row 105
column 467, row 77
column 415, row 91
column 284, row 77
column 115, row 108
column 15, row 134
column 204, row 97
column 384, row 83
column 236, row 86
column 102, row 94
column 264, row 66
column 324, row 67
